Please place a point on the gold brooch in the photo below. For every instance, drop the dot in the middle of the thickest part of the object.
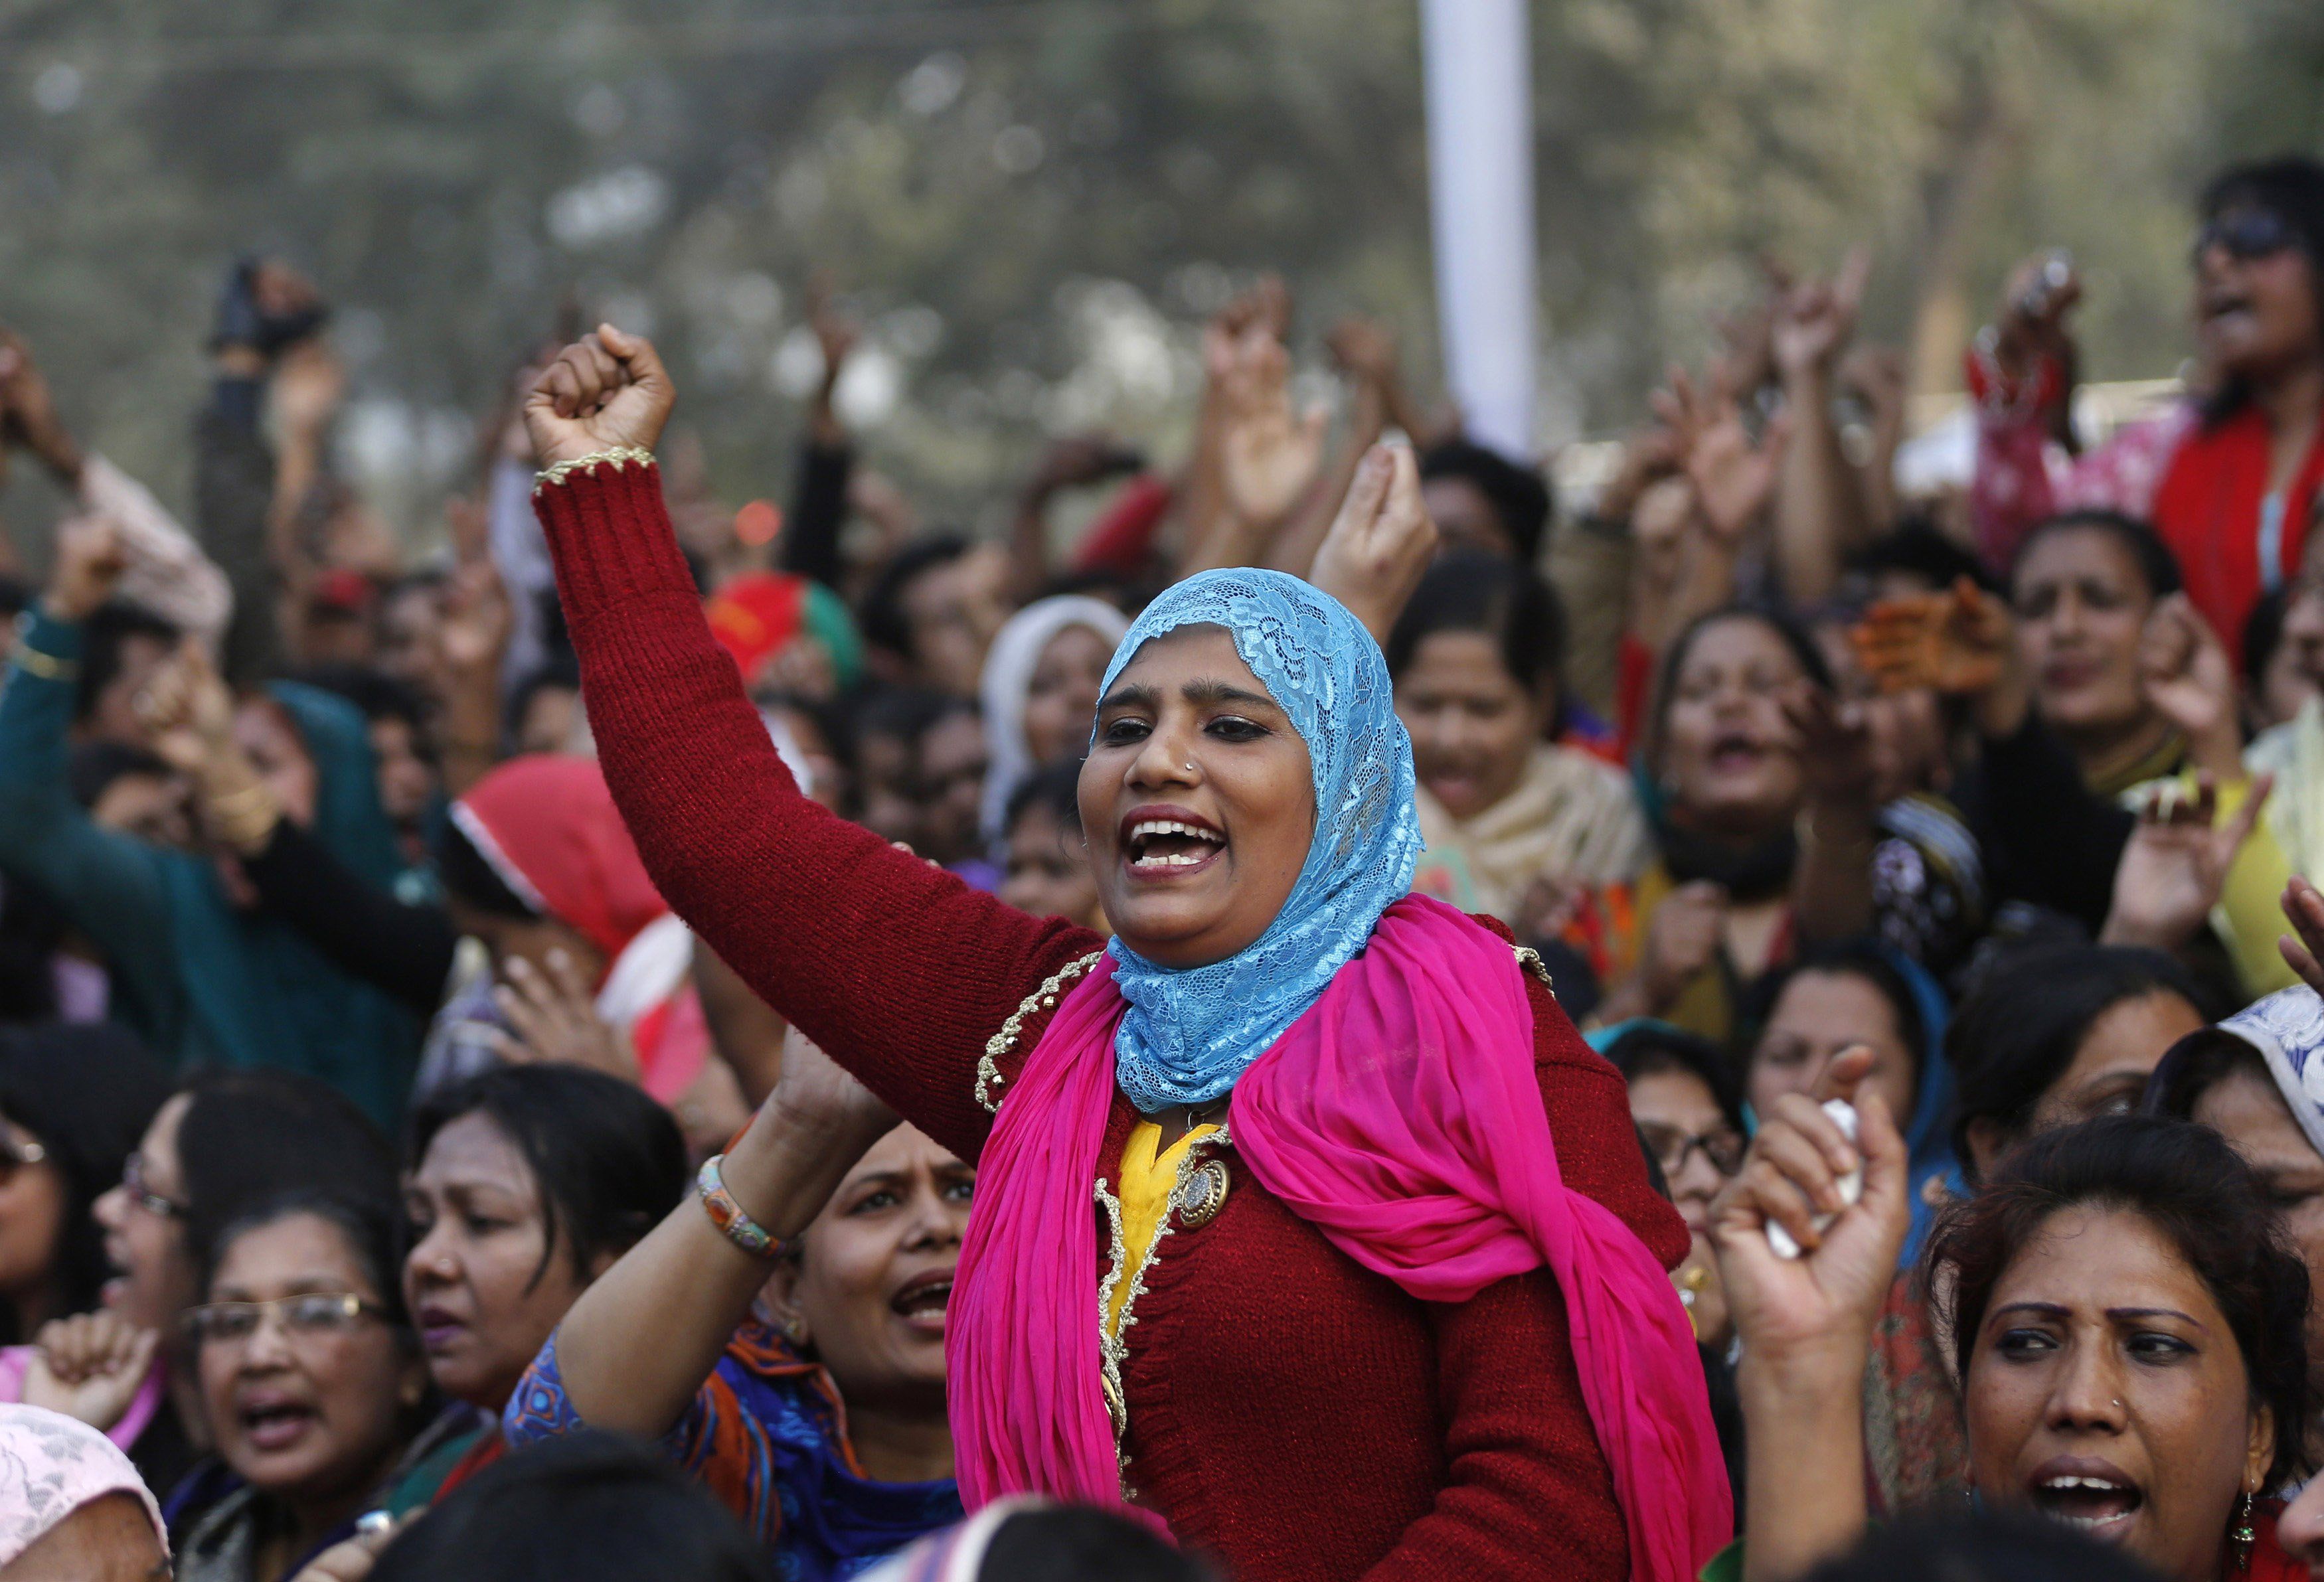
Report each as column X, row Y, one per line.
column 1203, row 1194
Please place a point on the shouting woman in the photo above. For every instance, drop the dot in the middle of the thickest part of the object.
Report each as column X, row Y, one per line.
column 1296, row 1163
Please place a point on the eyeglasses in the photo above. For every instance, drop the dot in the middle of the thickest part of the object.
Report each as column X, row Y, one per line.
column 133, row 1181
column 2245, row 234
column 322, row 1312
column 14, row 1156
column 1672, row 1147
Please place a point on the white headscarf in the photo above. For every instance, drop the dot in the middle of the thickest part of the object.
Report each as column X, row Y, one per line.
column 50, row 1465
column 1008, row 666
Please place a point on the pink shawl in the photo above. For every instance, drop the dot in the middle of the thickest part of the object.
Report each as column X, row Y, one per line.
column 1401, row 1115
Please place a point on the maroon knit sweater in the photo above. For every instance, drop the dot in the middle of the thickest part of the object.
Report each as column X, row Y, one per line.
column 1294, row 1415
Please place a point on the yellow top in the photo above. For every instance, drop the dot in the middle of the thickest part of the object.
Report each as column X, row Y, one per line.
column 1146, row 1182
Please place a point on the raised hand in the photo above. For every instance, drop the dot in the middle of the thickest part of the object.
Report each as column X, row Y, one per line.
column 2303, row 948
column 816, row 1095
column 2041, row 292
column 477, row 620
column 188, row 709
column 2185, row 672
column 1957, row 642
column 2176, row 863
column 309, row 382
column 1733, row 478
column 1821, row 1305
column 553, row 1019
column 28, row 414
column 1835, row 743
column 1269, row 455
column 1081, row 459
column 90, row 560
column 1683, row 938
column 1814, row 321
column 1364, row 350
column 606, row 389
column 1381, row 542
column 89, row 1366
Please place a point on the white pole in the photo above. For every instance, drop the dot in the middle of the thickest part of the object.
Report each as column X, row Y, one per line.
column 1480, row 203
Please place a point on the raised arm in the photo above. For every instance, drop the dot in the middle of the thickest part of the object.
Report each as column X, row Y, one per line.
column 629, row 1357
column 110, row 885
column 900, row 969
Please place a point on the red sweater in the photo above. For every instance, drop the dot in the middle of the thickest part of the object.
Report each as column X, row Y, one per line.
column 1290, row 1413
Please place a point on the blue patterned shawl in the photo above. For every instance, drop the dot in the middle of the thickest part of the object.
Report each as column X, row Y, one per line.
column 1190, row 1032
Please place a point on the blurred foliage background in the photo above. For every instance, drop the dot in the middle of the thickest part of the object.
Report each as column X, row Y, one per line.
column 1031, row 203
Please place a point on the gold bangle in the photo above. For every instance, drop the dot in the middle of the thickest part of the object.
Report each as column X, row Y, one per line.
column 620, row 455
column 46, row 666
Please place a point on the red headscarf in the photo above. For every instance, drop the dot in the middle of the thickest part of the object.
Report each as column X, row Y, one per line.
column 756, row 614
column 549, row 827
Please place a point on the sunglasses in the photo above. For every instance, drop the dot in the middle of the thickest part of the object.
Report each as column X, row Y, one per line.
column 313, row 1313
column 2245, row 234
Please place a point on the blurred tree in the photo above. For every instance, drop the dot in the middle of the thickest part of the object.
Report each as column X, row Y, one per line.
column 1031, row 201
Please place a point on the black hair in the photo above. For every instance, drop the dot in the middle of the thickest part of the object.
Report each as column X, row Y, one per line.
column 2196, row 1064
column 2156, row 564
column 905, row 713
column 1471, row 591
column 469, row 876
column 1520, row 495
column 1917, row 547
column 585, row 1507
column 2189, row 1184
column 251, row 1134
column 882, row 619
column 2018, row 1030
column 1057, row 788
column 559, row 672
column 17, row 594
column 1075, row 1544
column 87, row 1095
column 2263, row 633
column 1652, row 1048
column 372, row 1225
column 1977, row 1543
column 378, row 695
column 96, row 765
column 607, row 1160
column 1791, row 633
column 2291, row 187
column 1868, row 962
column 104, row 636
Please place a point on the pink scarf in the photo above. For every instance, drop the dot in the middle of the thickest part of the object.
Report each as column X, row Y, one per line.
column 1401, row 1115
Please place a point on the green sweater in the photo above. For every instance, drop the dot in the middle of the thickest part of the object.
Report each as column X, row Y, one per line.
column 202, row 979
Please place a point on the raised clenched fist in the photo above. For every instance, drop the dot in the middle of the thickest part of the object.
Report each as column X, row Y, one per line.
column 605, row 390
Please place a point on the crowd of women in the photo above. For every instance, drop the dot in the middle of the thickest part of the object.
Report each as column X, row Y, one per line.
column 1343, row 1017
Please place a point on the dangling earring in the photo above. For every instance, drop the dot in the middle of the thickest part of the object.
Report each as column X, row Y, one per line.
column 2242, row 1535
column 794, row 1328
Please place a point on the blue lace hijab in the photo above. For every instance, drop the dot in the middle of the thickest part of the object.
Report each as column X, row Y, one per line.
column 1191, row 1031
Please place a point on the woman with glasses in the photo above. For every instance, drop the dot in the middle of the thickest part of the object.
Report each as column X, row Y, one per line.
column 224, row 1141
column 1690, row 1119
column 312, row 1383
column 2229, row 478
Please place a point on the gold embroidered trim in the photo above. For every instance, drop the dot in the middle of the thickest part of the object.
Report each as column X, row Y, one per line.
column 1113, row 1342
column 1044, row 999
column 1529, row 959
column 620, row 455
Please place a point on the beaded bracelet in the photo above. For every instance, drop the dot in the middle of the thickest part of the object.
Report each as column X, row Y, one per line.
column 727, row 1214
column 620, row 455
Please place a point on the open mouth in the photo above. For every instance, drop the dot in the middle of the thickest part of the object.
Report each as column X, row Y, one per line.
column 1167, row 845
column 1736, row 751
column 275, row 1425
column 437, row 1328
column 2099, row 1504
column 922, row 1301
column 2219, row 305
